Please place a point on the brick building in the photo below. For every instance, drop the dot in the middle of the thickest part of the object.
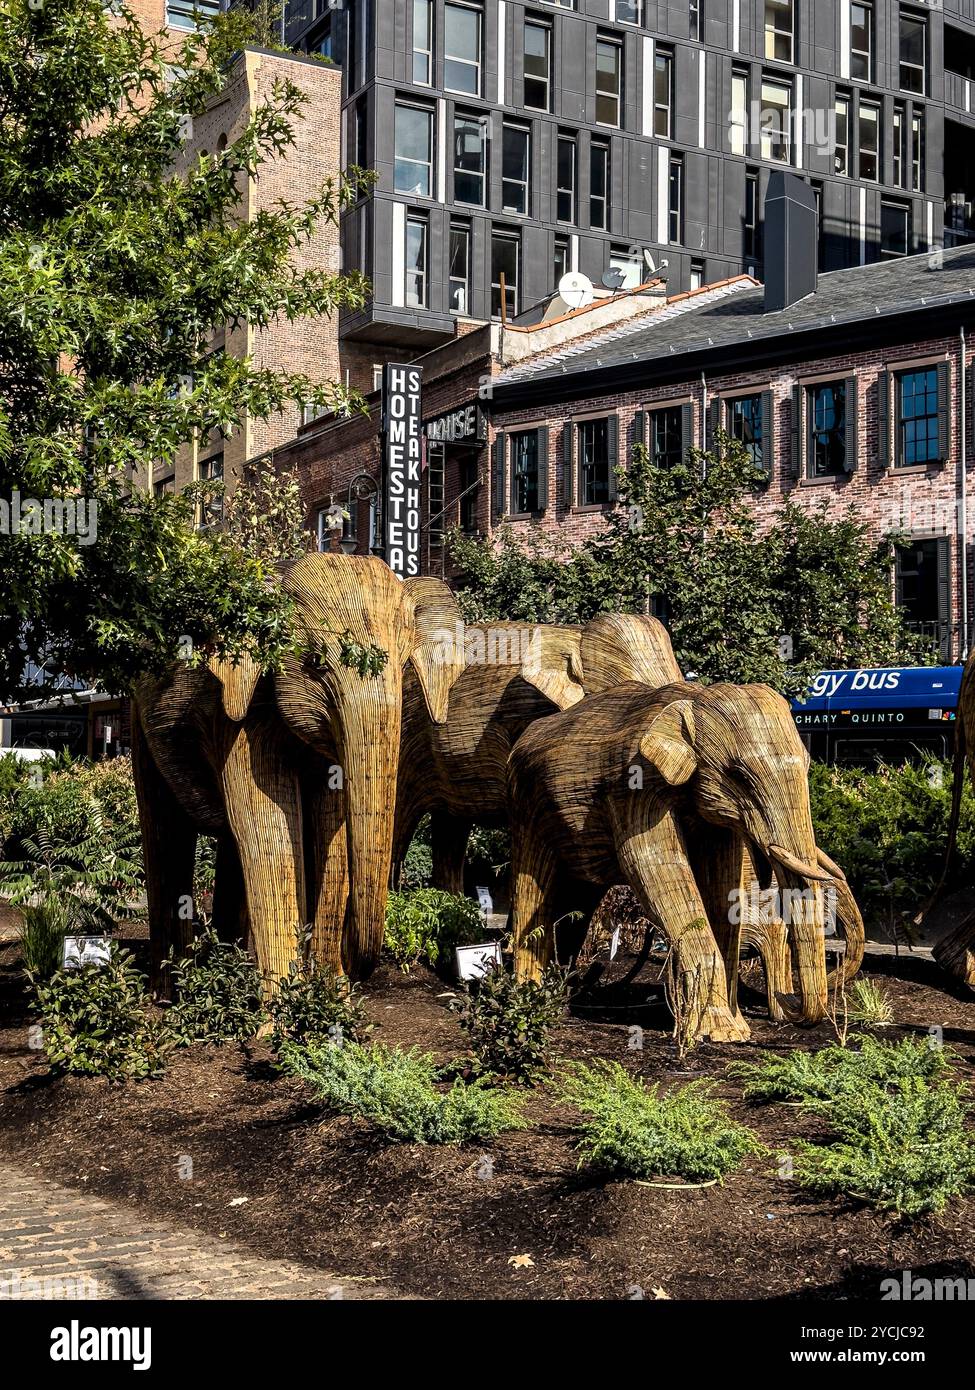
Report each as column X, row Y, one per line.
column 858, row 392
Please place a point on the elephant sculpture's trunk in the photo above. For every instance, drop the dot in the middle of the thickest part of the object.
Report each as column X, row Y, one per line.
column 368, row 743
column 800, row 875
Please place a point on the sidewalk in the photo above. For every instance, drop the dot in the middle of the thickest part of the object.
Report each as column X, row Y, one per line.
column 59, row 1243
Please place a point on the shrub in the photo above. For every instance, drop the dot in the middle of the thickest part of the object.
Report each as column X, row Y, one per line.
column 507, row 1022
column 888, row 829
column 831, row 1071
column 904, row 1149
column 634, row 1130
column 870, row 1004
column 45, row 924
column 98, row 1021
column 428, row 925
column 218, row 993
column 396, row 1091
column 314, row 1005
column 94, row 879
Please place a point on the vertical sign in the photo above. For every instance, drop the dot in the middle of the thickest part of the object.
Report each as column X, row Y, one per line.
column 402, row 456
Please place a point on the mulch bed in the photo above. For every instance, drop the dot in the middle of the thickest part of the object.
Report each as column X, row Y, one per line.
column 446, row 1222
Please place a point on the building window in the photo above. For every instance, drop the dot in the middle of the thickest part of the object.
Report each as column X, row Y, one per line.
column 505, row 262
column 416, row 263
column 594, row 463
column 900, row 153
column 868, row 141
column 894, row 229
column 599, row 187
column 360, row 134
column 675, row 209
column 744, row 423
column 186, row 14
column 538, row 66
column 752, row 239
column 738, row 124
column 861, row 42
column 917, row 152
column 413, row 160
column 629, row 11
column 423, row 42
column 470, row 160
column 560, row 260
column 515, row 168
column 211, row 471
column 462, row 49
column 841, row 154
column 663, row 94
column 917, row 417
column 913, row 53
column 695, row 20
column 609, row 82
column 629, row 265
column 780, row 30
column 776, row 121
column 827, row 429
column 666, row 436
column 460, row 269
column 565, row 189
column 524, row 471
column 923, row 589
column 697, row 275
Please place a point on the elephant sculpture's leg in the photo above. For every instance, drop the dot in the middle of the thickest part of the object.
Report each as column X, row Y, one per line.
column 955, row 952
column 655, row 863
column 229, row 898
column 169, row 853
column 448, row 838
column 328, row 873
column 263, row 801
column 533, row 875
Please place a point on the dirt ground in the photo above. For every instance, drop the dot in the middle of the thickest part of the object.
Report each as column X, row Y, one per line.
column 447, row 1222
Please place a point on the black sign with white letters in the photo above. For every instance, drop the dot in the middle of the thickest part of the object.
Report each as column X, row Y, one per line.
column 402, row 459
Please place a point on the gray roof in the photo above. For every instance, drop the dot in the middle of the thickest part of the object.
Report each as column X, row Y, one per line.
column 732, row 313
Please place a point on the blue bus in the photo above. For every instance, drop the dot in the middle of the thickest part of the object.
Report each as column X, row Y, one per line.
column 891, row 714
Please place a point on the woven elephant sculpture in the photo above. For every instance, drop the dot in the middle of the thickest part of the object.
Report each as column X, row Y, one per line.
column 295, row 773
column 514, row 674
column 661, row 790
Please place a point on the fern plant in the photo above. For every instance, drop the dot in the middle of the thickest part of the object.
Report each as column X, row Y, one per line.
column 397, row 1092
column 637, row 1131
column 904, row 1149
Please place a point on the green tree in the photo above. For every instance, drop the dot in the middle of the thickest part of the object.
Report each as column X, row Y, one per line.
column 744, row 601
column 115, row 274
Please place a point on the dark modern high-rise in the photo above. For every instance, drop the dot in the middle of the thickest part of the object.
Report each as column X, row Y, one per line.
column 514, row 141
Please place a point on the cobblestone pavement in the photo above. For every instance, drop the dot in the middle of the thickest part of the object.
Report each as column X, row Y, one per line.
column 59, row 1243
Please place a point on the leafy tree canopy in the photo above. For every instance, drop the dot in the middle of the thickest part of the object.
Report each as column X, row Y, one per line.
column 116, row 272
column 744, row 601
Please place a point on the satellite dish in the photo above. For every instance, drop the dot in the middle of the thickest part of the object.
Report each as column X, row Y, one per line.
column 614, row 279
column 576, row 290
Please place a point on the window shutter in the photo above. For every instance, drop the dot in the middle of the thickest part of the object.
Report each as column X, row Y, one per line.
column 613, row 449
column 944, row 596
column 795, row 450
column 883, row 419
column 568, row 464
column 944, row 406
column 768, row 433
column 542, row 468
column 512, row 485
column 500, row 452
column 686, row 427
column 640, row 429
column 851, row 407
column 714, row 422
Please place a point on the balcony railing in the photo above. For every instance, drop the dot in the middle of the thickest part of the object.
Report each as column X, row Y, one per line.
column 948, row 641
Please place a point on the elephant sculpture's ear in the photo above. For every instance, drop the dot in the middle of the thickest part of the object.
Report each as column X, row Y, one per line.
column 438, row 658
column 553, row 665
column 619, row 647
column 238, row 681
column 668, row 744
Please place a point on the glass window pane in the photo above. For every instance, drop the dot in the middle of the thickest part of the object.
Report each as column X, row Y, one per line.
column 411, row 167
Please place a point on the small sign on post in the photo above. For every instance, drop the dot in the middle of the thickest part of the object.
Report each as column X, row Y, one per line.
column 474, row 962
column 485, row 901
column 80, row 951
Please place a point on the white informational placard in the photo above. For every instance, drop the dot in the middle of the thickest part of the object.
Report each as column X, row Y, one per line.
column 485, row 901
column 86, row 950
column 473, row 962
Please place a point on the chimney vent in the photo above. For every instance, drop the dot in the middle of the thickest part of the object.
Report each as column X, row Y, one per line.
column 791, row 239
